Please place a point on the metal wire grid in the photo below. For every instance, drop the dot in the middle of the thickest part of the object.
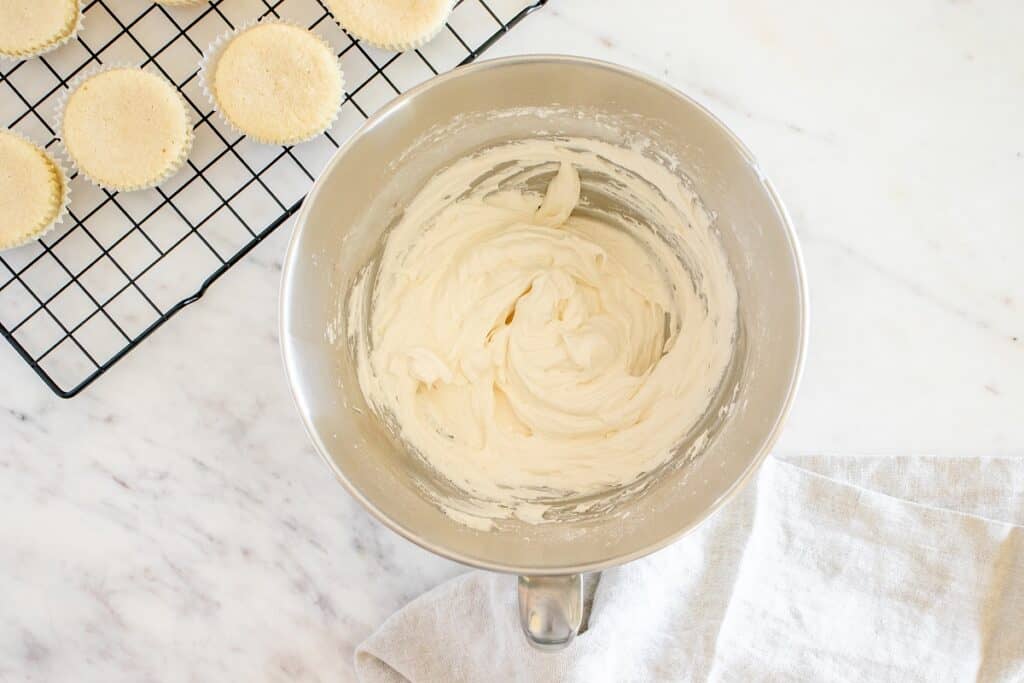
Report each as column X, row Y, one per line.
column 75, row 302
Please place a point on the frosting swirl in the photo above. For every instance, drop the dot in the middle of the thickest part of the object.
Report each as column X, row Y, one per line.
column 531, row 347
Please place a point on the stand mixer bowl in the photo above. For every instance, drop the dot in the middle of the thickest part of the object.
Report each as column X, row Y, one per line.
column 360, row 194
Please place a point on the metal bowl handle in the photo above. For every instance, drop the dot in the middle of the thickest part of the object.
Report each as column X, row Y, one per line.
column 550, row 610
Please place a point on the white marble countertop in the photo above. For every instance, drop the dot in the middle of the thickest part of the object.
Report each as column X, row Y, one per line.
column 172, row 522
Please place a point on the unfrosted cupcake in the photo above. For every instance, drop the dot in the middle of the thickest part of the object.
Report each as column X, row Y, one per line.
column 392, row 24
column 32, row 27
column 33, row 191
column 125, row 128
column 275, row 82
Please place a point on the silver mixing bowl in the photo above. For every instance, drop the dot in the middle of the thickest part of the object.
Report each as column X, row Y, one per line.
column 387, row 161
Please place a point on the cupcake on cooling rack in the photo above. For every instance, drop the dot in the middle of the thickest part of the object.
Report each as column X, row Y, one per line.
column 33, row 191
column 125, row 128
column 275, row 82
column 392, row 24
column 32, row 27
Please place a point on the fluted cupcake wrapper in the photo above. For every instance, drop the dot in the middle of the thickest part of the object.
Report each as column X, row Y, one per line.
column 64, row 200
column 396, row 44
column 51, row 45
column 208, row 64
column 174, row 166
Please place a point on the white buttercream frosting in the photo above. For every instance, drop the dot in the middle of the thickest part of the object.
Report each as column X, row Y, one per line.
column 532, row 347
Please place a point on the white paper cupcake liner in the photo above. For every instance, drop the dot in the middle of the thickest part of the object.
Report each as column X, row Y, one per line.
column 396, row 44
column 65, row 199
column 208, row 64
column 52, row 45
column 175, row 165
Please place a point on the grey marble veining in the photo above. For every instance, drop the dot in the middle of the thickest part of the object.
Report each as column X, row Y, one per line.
column 172, row 522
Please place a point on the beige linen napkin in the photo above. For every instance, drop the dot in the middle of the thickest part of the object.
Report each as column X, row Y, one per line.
column 825, row 569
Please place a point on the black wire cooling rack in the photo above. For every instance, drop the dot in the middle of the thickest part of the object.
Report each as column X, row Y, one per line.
column 75, row 302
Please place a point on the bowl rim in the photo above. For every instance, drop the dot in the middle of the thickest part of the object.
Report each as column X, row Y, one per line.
column 291, row 372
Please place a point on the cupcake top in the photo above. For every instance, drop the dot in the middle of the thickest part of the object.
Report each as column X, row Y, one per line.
column 125, row 128
column 32, row 191
column 277, row 83
column 31, row 27
column 392, row 24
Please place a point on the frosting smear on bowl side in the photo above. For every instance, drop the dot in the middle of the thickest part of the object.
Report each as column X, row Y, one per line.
column 531, row 346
